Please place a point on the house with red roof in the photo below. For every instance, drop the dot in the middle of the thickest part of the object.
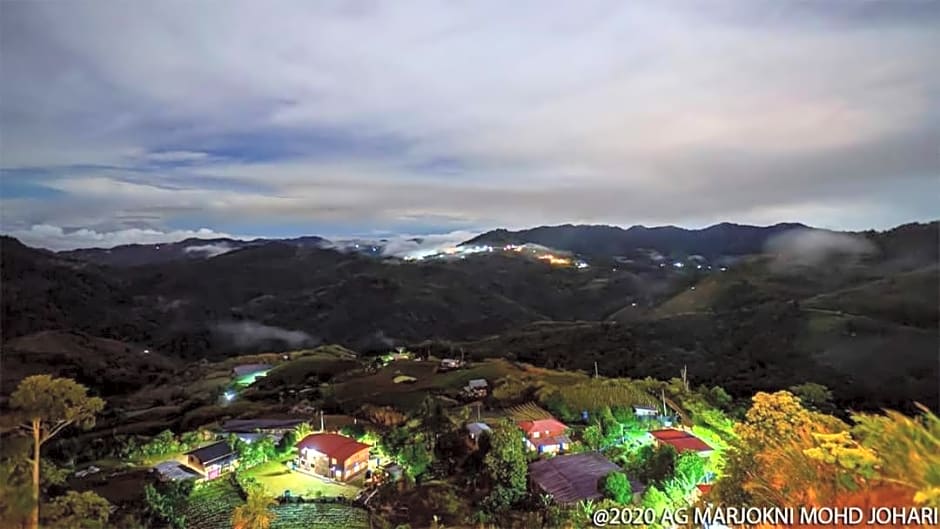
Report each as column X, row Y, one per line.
column 332, row 455
column 545, row 435
column 682, row 441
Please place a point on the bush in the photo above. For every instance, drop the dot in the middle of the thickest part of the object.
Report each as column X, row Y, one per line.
column 616, row 486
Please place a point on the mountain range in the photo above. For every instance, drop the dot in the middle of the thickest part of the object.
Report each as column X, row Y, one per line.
column 743, row 305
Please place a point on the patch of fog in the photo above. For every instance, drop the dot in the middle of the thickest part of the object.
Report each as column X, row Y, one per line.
column 807, row 247
column 421, row 245
column 209, row 250
column 250, row 333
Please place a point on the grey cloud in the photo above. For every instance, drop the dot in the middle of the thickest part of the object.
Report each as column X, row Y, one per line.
column 598, row 111
column 815, row 247
column 251, row 333
column 209, row 250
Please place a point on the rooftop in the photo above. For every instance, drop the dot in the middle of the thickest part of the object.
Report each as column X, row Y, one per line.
column 250, row 425
column 551, row 440
column 477, row 428
column 174, row 471
column 682, row 441
column 334, row 445
column 247, row 369
column 571, row 478
column 542, row 425
column 213, row 452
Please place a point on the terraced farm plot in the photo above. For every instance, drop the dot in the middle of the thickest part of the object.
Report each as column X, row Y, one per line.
column 319, row 516
column 211, row 505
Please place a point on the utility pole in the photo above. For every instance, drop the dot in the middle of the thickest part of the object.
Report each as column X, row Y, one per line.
column 322, row 428
column 685, row 377
column 595, row 370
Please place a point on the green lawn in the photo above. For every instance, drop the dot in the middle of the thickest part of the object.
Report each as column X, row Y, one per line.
column 276, row 478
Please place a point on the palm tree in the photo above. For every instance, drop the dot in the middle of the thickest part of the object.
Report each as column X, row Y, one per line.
column 256, row 512
column 303, row 430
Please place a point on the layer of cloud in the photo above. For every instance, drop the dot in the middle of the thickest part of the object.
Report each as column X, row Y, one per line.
column 209, row 250
column 418, row 245
column 58, row 238
column 251, row 333
column 814, row 247
column 419, row 114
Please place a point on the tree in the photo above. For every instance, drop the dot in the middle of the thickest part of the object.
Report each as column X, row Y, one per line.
column 15, row 494
column 766, row 464
column 616, row 486
column 506, row 466
column 167, row 501
column 256, row 512
column 814, row 396
column 690, row 469
column 77, row 510
column 593, row 437
column 287, row 443
column 655, row 464
column 303, row 430
column 46, row 406
column 416, row 458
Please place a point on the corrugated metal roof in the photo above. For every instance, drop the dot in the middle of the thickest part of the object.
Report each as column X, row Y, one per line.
column 682, row 441
column 571, row 478
column 210, row 453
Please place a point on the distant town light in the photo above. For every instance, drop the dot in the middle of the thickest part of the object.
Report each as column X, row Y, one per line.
column 229, row 396
column 678, row 264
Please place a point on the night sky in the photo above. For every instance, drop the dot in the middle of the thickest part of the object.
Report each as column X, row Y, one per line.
column 148, row 122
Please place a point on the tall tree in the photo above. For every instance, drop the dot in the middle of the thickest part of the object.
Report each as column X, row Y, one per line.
column 45, row 406
column 256, row 512
column 506, row 466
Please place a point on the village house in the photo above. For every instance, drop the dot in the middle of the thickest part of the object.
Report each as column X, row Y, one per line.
column 645, row 412
column 213, row 460
column 332, row 455
column 682, row 441
column 545, row 435
column 476, row 388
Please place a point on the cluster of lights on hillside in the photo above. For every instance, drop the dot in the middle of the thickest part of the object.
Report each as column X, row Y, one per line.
column 538, row 252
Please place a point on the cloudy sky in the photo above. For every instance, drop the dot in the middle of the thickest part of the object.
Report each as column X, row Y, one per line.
column 134, row 121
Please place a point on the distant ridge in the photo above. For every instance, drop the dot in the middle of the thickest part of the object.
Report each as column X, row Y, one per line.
column 724, row 239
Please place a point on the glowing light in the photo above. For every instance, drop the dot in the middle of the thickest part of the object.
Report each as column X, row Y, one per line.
column 229, row 396
column 558, row 261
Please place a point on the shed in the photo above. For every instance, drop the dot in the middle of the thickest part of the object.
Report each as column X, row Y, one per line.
column 477, row 383
column 571, row 478
column 476, row 429
column 212, row 460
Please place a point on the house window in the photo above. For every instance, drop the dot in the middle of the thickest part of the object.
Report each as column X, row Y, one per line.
column 535, row 435
column 333, row 461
